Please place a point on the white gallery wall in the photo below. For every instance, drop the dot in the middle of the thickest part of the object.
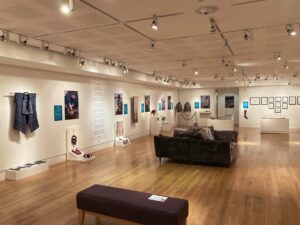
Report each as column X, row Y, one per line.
column 222, row 110
column 49, row 141
column 256, row 112
column 192, row 96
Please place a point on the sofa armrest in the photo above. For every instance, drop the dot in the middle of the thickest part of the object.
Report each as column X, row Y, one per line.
column 226, row 135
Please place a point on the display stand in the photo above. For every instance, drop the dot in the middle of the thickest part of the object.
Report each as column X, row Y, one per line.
column 26, row 170
column 120, row 139
column 155, row 125
column 204, row 116
column 73, row 143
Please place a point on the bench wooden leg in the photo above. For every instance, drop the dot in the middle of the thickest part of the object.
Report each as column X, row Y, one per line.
column 81, row 216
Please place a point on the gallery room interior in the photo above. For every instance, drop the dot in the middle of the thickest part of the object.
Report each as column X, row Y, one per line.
column 161, row 112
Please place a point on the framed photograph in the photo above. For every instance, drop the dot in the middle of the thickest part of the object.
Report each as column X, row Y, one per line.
column 118, row 103
column 277, row 99
column 71, row 105
column 205, row 102
column 169, row 102
column 254, row 100
column 277, row 104
column 229, row 102
column 142, row 108
column 271, row 99
column 125, row 109
column 277, row 110
column 292, row 100
column 285, row 105
column 298, row 100
column 147, row 103
column 271, row 105
column 264, row 100
column 196, row 105
column 163, row 103
column 285, row 99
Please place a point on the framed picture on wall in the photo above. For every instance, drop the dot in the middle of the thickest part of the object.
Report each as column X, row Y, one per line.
column 271, row 99
column 205, row 101
column 147, row 103
column 285, row 99
column 298, row 100
column 285, row 105
column 277, row 99
column 271, row 105
column 292, row 100
column 245, row 104
column 264, row 100
column 277, row 110
column 196, row 105
column 277, row 104
column 229, row 102
column 254, row 100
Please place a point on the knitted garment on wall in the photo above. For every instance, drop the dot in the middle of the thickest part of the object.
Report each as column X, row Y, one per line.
column 134, row 109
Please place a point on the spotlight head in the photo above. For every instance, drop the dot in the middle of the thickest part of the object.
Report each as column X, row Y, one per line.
column 234, row 69
column 81, row 61
column 213, row 26
column 152, row 45
column 24, row 41
column 154, row 24
column 290, row 30
column 278, row 57
column 196, row 72
column 285, row 66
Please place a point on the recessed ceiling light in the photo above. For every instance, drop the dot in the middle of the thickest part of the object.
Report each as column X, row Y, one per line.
column 234, row 69
column 206, row 10
column 196, row 72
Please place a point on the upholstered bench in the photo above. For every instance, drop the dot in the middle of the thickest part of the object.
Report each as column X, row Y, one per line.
column 130, row 207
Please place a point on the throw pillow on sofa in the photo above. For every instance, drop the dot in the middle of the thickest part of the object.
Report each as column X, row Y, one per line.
column 180, row 132
column 211, row 133
column 204, row 134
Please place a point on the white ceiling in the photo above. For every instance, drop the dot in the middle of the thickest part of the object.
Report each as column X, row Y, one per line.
column 120, row 30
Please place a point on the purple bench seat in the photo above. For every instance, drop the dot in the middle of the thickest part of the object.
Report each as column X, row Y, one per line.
column 131, row 206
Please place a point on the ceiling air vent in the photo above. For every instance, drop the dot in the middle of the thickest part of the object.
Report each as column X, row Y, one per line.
column 205, row 10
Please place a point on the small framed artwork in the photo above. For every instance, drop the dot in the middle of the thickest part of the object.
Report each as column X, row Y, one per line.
column 277, row 104
column 277, row 110
column 285, row 99
column 292, row 100
column 125, row 109
column 254, row 100
column 159, row 106
column 196, row 105
column 271, row 105
column 285, row 105
column 271, row 99
column 245, row 104
column 277, row 99
column 264, row 100
column 142, row 108
column 298, row 100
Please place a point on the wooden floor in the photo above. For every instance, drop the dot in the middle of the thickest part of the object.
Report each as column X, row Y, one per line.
column 261, row 188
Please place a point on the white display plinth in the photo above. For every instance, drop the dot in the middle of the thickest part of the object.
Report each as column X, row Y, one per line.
column 122, row 142
column 221, row 124
column 155, row 125
column 204, row 116
column 274, row 125
column 26, row 172
column 79, row 158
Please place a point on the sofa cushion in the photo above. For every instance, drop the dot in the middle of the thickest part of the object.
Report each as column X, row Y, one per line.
column 211, row 133
column 180, row 132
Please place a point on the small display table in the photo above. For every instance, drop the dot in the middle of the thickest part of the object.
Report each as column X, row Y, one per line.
column 274, row 125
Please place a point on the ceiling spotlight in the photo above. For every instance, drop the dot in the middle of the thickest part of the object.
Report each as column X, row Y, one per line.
column 290, row 30
column 81, row 61
column 213, row 25
column 289, row 83
column 67, row 8
column 277, row 56
column 275, row 77
column 23, row 40
column 125, row 69
column 234, row 69
column 285, row 66
column 247, row 35
column 152, row 45
column 196, row 72
column 237, row 81
column 154, row 24
column 4, row 36
column 45, row 46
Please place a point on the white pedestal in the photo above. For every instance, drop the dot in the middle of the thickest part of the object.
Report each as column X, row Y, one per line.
column 204, row 116
column 155, row 125
column 27, row 171
column 79, row 158
column 221, row 124
column 274, row 125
